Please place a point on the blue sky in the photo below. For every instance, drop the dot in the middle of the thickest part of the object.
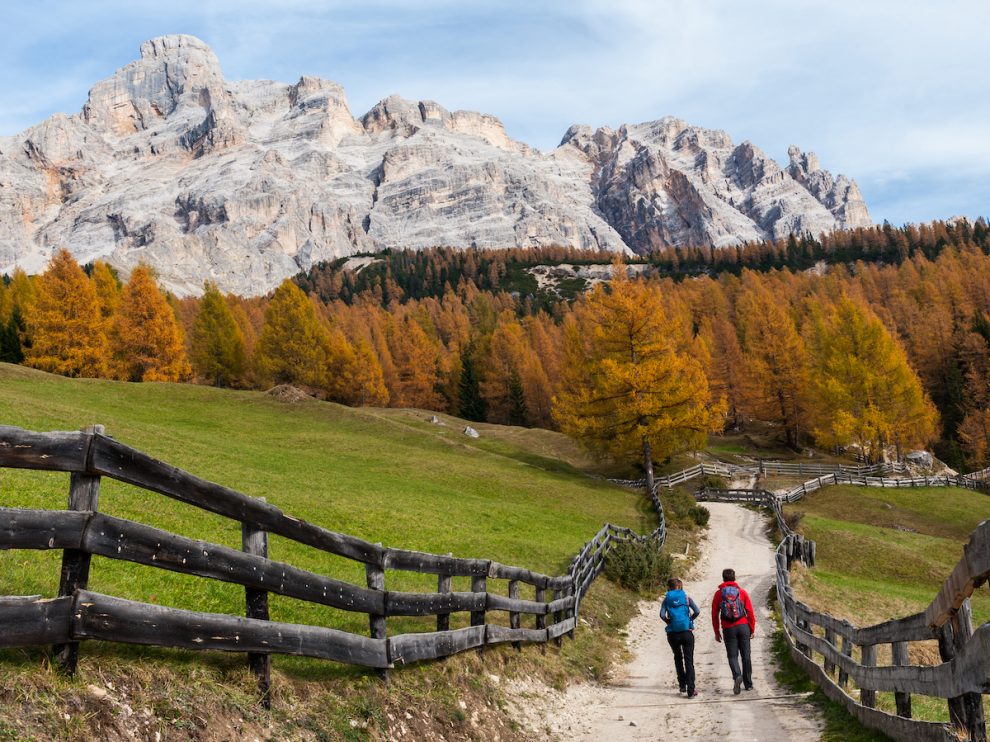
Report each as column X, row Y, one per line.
column 895, row 94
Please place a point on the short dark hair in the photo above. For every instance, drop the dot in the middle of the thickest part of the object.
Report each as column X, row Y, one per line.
column 728, row 575
column 672, row 583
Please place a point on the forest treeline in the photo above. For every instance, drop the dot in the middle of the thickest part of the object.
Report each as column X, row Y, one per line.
column 870, row 336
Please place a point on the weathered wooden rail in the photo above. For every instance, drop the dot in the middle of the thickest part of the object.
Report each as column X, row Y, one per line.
column 81, row 531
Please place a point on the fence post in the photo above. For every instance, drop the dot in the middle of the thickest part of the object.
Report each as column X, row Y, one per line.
column 557, row 594
column 847, row 651
column 899, row 653
column 376, row 622
column 830, row 638
column 478, row 585
column 255, row 541
column 514, row 615
column 541, row 618
column 84, row 495
column 869, row 659
column 965, row 711
column 443, row 586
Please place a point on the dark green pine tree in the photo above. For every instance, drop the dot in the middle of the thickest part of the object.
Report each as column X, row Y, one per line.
column 10, row 338
column 471, row 405
column 517, row 401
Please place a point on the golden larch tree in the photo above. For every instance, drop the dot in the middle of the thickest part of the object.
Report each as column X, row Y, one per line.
column 68, row 335
column 147, row 341
column 864, row 389
column 776, row 360
column 292, row 346
column 628, row 390
column 216, row 342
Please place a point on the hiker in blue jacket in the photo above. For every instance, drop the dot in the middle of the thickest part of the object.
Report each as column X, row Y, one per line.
column 678, row 611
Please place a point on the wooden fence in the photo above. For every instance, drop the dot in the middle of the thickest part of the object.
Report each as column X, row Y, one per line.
column 961, row 678
column 81, row 531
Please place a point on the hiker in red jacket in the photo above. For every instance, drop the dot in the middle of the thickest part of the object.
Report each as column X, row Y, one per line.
column 733, row 618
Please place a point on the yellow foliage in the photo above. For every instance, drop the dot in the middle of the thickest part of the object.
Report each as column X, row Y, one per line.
column 146, row 339
column 68, row 335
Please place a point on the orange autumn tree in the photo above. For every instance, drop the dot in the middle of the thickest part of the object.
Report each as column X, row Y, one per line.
column 147, row 342
column 292, row 346
column 629, row 390
column 863, row 387
column 68, row 335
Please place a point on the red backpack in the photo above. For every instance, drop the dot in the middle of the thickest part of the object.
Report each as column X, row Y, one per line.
column 731, row 608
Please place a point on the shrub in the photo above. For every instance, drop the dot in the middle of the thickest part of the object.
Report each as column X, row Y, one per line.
column 639, row 566
column 793, row 519
column 714, row 482
column 700, row 515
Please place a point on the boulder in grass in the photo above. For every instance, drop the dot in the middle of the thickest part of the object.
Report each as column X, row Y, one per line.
column 471, row 432
column 920, row 458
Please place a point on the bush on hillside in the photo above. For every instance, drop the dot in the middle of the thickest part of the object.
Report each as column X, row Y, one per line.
column 639, row 566
column 700, row 515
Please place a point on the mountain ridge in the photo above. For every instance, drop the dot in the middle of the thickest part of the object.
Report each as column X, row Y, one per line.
column 246, row 183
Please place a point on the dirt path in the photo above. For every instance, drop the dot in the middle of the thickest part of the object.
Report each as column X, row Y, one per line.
column 643, row 702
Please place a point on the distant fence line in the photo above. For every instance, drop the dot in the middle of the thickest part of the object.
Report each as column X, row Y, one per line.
column 82, row 531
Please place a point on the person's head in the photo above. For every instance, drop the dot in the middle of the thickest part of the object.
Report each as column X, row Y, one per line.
column 674, row 584
column 728, row 575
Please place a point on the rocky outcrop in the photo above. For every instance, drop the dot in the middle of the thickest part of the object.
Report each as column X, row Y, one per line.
column 245, row 183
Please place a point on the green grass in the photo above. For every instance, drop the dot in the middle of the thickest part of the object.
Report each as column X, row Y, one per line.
column 385, row 476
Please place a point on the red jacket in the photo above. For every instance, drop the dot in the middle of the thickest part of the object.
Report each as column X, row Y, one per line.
column 750, row 618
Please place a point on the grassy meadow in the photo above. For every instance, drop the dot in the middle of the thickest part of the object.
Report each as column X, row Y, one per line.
column 387, row 476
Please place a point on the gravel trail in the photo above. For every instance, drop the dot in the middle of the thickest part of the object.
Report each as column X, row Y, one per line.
column 643, row 701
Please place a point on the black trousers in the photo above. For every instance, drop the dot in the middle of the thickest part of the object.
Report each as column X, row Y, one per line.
column 682, row 642
column 736, row 640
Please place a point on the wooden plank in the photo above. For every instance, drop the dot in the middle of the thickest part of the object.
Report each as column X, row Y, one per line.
column 478, row 585
column 84, row 496
column 505, row 572
column 559, row 629
column 56, row 451
column 254, row 541
column 115, row 460
column 514, row 605
column 847, row 651
column 497, row 634
column 115, row 619
column 418, row 561
column 41, row 529
column 429, row 604
column 134, row 542
column 34, row 622
column 407, row 648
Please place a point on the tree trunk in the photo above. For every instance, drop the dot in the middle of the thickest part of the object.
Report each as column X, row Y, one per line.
column 648, row 463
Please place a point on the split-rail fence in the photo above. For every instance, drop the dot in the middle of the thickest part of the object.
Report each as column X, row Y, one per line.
column 847, row 653
column 82, row 531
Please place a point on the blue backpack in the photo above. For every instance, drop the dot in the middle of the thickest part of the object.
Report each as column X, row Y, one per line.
column 679, row 610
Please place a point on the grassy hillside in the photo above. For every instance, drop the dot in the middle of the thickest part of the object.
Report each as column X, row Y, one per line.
column 386, row 476
column 884, row 553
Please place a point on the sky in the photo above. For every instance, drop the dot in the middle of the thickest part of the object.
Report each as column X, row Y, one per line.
column 893, row 93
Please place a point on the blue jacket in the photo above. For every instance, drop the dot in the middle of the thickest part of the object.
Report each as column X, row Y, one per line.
column 678, row 611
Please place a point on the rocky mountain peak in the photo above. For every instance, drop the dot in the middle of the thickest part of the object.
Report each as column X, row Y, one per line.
column 245, row 183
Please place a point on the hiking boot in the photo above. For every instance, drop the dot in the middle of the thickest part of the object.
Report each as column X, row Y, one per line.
column 748, row 687
column 736, row 686
column 692, row 694
column 683, row 689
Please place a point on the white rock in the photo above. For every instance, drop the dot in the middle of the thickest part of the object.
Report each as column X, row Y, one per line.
column 471, row 432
